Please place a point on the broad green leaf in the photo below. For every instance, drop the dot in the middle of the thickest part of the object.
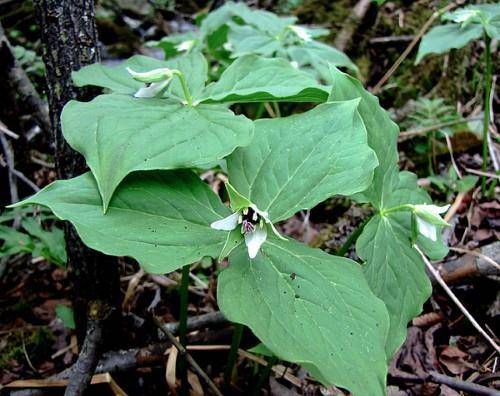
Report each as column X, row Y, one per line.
column 319, row 56
column 66, row 316
column 265, row 21
column 296, row 162
column 488, row 15
column 119, row 134
column 162, row 219
column 255, row 79
column 382, row 136
column 118, row 79
column 393, row 268
column 310, row 308
column 442, row 38
column 247, row 40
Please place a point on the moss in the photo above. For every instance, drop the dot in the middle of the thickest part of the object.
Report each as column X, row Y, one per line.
column 37, row 342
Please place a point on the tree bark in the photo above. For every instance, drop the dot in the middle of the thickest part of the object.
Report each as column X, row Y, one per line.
column 69, row 39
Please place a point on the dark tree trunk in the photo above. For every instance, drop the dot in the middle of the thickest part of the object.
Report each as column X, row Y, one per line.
column 69, row 39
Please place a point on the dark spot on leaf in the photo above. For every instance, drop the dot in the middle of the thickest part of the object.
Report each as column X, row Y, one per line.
column 297, row 296
column 293, row 275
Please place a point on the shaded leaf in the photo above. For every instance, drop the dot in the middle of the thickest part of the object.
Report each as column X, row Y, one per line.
column 162, row 219
column 382, row 136
column 255, row 79
column 120, row 134
column 310, row 308
column 296, row 162
column 440, row 39
column 393, row 268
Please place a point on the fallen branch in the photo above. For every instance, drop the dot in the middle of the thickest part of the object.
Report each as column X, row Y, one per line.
column 131, row 359
column 465, row 386
column 88, row 358
column 454, row 298
column 197, row 322
column 188, row 357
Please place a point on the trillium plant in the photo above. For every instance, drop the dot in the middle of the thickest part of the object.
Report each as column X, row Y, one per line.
column 158, row 124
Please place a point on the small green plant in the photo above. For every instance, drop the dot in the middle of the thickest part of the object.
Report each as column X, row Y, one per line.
column 235, row 30
column 429, row 113
column 160, row 120
column 468, row 24
column 32, row 238
column 450, row 183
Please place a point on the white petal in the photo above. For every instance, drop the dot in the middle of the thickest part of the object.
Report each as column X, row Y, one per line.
column 152, row 90
column 433, row 209
column 254, row 241
column 427, row 229
column 185, row 45
column 227, row 224
column 151, row 76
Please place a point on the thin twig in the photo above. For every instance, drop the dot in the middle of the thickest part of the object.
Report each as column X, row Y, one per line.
column 454, row 208
column 462, row 308
column 414, row 42
column 450, row 149
column 189, row 358
column 477, row 254
column 480, row 173
column 7, row 131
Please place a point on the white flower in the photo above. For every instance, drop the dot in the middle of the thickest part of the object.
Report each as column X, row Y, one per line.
column 156, row 81
column 253, row 226
column 300, row 32
column 428, row 218
column 185, row 45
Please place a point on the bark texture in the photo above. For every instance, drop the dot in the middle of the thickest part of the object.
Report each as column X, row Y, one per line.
column 69, row 39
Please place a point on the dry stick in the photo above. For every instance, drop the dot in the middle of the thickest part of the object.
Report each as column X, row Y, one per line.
column 407, row 134
column 465, row 386
column 450, row 149
column 88, row 358
column 414, row 42
column 189, row 358
column 448, row 291
column 480, row 173
column 489, row 260
column 7, row 131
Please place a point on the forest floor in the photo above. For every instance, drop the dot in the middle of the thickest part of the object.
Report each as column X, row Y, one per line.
column 36, row 343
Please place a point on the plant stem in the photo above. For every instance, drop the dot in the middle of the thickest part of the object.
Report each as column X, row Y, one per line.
column 185, row 88
column 487, row 93
column 233, row 354
column 352, row 238
column 399, row 208
column 182, row 366
column 264, row 374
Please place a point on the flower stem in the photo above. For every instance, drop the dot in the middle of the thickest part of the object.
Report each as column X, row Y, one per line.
column 233, row 353
column 399, row 208
column 487, row 93
column 264, row 374
column 352, row 238
column 185, row 88
column 182, row 364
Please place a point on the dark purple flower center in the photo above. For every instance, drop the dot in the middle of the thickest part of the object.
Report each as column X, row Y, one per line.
column 249, row 220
